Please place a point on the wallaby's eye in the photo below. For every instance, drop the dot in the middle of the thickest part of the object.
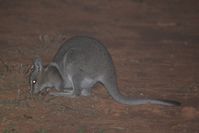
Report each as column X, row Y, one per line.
column 34, row 81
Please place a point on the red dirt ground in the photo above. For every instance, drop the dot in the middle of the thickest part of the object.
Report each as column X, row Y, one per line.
column 155, row 48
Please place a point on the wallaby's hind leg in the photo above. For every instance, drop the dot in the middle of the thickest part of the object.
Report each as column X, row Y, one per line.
column 64, row 94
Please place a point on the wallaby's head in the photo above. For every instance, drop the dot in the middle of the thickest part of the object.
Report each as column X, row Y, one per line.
column 37, row 76
column 42, row 78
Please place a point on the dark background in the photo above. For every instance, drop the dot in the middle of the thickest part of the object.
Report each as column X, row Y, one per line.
column 155, row 48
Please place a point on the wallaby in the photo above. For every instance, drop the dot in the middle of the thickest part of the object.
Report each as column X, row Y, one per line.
column 79, row 64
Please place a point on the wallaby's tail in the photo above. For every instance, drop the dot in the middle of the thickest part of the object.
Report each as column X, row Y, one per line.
column 114, row 92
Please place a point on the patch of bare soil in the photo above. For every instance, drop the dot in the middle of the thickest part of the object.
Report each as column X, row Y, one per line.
column 154, row 45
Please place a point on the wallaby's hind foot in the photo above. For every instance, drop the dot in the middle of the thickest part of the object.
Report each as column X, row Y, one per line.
column 63, row 94
column 86, row 92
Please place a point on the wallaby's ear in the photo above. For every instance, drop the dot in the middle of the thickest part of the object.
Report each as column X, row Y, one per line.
column 38, row 65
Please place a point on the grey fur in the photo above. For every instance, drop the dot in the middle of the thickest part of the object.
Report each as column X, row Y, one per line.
column 79, row 64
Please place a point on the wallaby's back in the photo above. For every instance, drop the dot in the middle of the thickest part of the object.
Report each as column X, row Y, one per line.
column 86, row 53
